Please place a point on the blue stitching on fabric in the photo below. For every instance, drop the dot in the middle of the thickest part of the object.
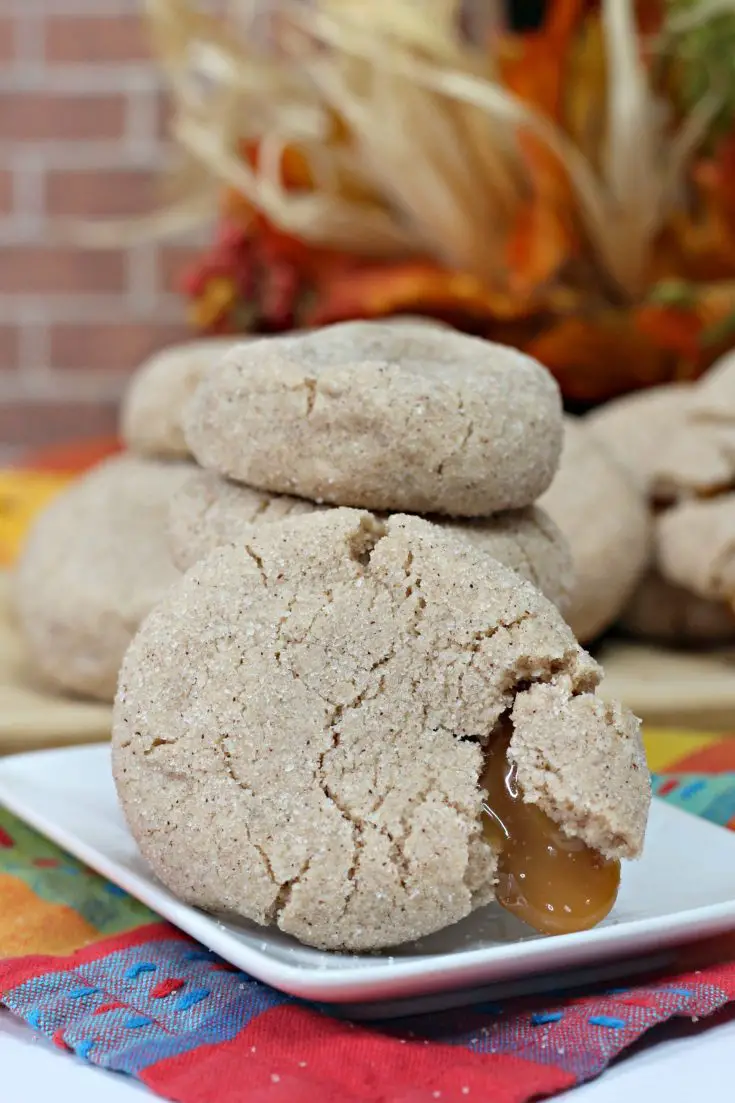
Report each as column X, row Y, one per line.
column 34, row 1018
column 142, row 967
column 541, row 1017
column 80, row 993
column 191, row 998
column 606, row 1020
column 136, row 1021
column 200, row 955
column 677, row 992
column 82, row 1048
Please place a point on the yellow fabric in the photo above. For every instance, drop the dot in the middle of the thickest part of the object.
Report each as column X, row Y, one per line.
column 22, row 495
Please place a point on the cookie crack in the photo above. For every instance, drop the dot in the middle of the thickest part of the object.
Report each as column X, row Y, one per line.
column 257, row 847
column 356, row 824
column 285, row 892
column 310, row 386
column 258, row 562
column 463, row 441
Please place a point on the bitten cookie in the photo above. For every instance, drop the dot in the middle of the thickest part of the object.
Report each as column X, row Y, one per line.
column 301, row 729
column 209, row 512
column 96, row 561
column 605, row 519
column 385, row 416
column 668, row 614
column 152, row 410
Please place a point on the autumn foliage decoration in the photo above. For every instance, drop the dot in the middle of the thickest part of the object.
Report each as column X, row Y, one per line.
column 570, row 191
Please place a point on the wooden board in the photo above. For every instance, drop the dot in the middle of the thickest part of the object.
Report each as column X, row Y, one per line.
column 32, row 715
column 672, row 688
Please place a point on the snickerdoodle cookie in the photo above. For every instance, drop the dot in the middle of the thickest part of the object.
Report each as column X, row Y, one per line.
column 636, row 427
column 695, row 546
column 210, row 512
column 303, row 724
column 605, row 519
column 385, row 416
column 153, row 407
column 698, row 456
column 96, row 561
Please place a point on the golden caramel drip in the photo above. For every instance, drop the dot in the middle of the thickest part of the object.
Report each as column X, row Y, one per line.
column 556, row 884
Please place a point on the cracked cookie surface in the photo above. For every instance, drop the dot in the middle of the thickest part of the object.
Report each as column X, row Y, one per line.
column 384, row 416
column 210, row 512
column 153, row 407
column 299, row 729
column 95, row 562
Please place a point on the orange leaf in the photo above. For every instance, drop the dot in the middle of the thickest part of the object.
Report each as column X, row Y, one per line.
column 72, row 457
column 542, row 238
column 532, row 65
column 420, row 287
column 599, row 357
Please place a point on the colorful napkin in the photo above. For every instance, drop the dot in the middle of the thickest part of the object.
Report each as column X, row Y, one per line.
column 102, row 976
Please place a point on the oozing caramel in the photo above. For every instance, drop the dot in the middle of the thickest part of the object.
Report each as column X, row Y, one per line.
column 553, row 883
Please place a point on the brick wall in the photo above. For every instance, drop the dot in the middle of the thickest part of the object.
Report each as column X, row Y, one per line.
column 80, row 135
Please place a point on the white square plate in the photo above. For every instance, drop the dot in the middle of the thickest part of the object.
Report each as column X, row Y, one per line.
column 682, row 889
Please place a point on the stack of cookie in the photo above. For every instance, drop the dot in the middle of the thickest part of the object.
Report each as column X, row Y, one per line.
column 391, row 417
column 678, row 443
column 97, row 558
column 346, row 719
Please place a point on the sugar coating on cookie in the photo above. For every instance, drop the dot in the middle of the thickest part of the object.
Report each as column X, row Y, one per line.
column 527, row 541
column 299, row 729
column 668, row 614
column 209, row 512
column 605, row 519
column 388, row 417
column 635, row 427
column 695, row 546
column 95, row 563
column 153, row 407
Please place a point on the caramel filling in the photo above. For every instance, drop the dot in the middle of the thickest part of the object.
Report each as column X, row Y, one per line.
column 553, row 883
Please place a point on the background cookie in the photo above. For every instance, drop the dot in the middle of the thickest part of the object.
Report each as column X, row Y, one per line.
column 698, row 457
column 695, row 546
column 152, row 409
column 634, row 428
column 96, row 561
column 604, row 517
column 668, row 614
column 299, row 729
column 209, row 512
column 385, row 416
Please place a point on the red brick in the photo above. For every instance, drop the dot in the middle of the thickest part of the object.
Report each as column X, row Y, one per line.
column 38, row 117
column 118, row 347
column 7, row 39
column 173, row 261
column 100, row 194
column 42, row 269
column 6, row 192
column 9, row 348
column 29, row 424
column 85, row 39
